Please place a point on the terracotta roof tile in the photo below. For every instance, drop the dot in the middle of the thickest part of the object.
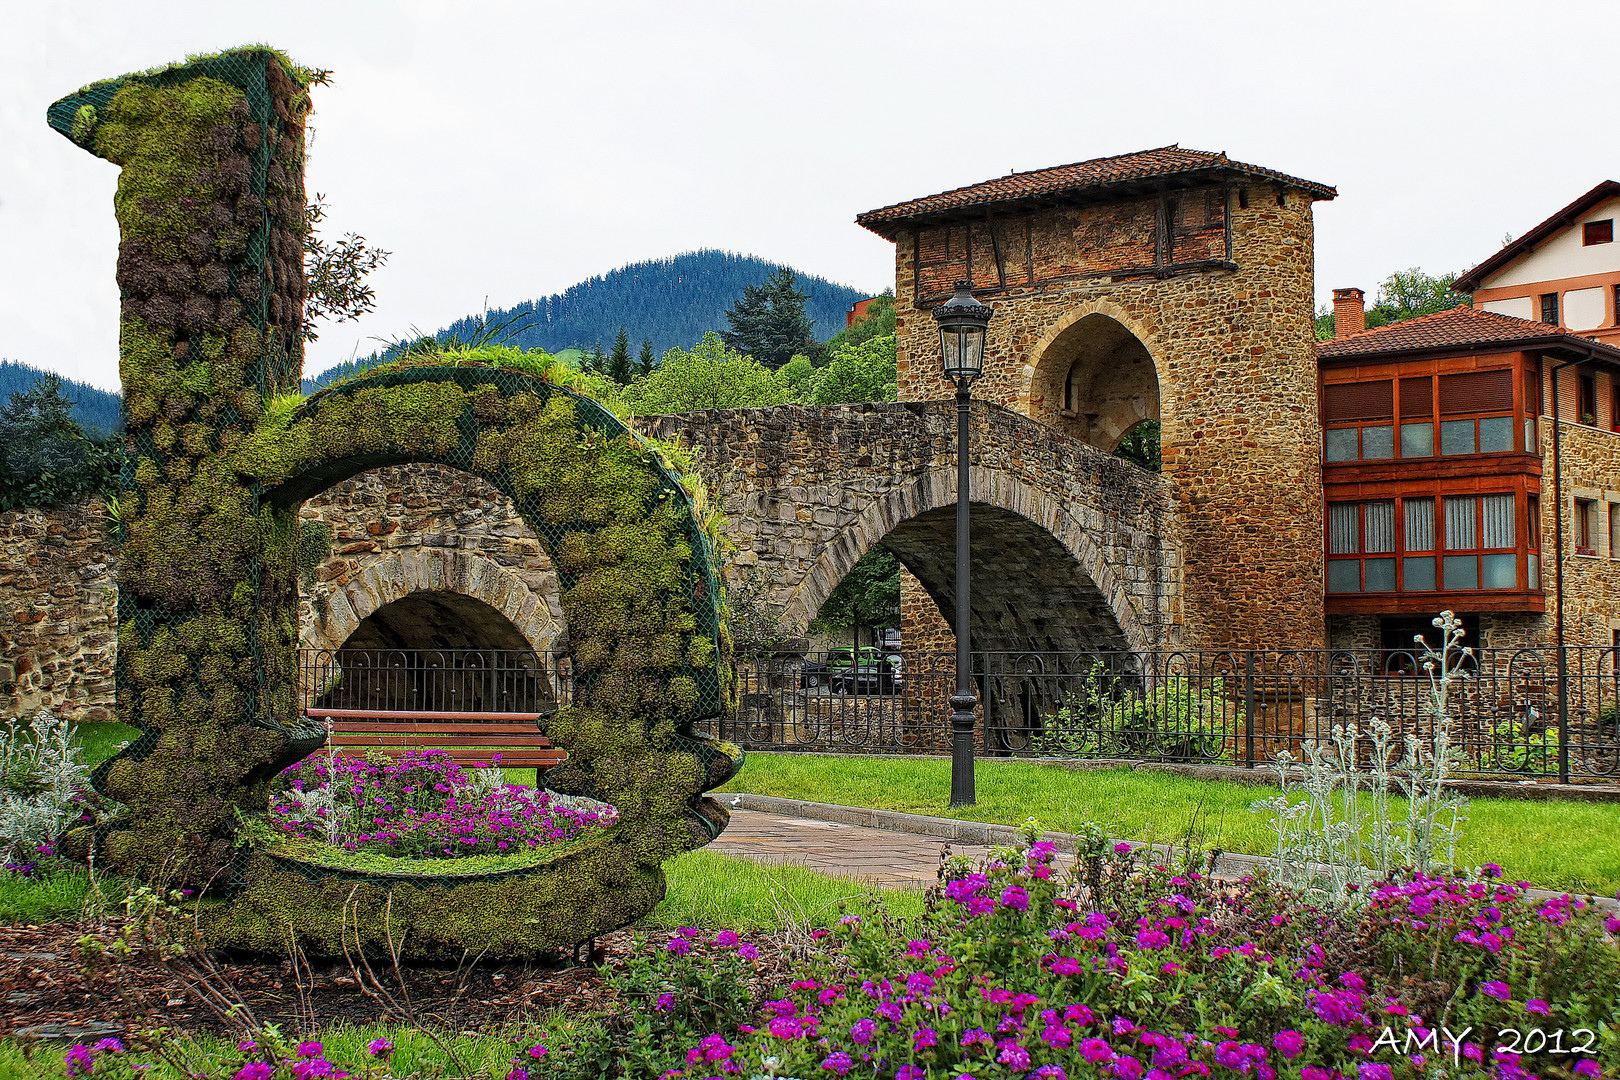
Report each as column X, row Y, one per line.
column 1460, row 326
column 1081, row 176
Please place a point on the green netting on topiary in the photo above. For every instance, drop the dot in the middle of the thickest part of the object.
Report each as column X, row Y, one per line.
column 702, row 581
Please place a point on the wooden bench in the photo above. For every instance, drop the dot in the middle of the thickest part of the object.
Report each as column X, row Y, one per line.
column 469, row 738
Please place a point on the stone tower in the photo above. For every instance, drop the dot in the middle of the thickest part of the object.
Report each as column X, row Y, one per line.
column 1171, row 285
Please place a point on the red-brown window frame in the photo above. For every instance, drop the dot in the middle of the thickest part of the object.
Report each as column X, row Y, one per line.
column 1585, row 522
column 1525, row 546
column 1435, row 416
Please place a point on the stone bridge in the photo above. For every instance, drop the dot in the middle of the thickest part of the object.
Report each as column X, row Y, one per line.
column 1072, row 547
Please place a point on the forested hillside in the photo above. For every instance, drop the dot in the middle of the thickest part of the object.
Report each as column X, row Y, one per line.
column 95, row 410
column 673, row 302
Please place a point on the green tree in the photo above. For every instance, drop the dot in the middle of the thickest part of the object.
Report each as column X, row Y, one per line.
column 769, row 322
column 1405, row 294
column 869, row 596
column 335, row 274
column 647, row 362
column 45, row 456
column 1140, row 446
column 618, row 364
column 864, row 371
column 707, row 376
column 878, row 321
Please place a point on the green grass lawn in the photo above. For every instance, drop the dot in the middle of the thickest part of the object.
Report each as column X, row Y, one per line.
column 1555, row 844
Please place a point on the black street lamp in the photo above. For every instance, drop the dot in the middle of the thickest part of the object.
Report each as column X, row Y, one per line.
column 962, row 325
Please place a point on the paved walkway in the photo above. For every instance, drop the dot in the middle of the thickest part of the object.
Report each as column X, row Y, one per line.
column 883, row 857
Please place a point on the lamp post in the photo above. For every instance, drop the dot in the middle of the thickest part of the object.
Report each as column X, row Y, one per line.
column 962, row 325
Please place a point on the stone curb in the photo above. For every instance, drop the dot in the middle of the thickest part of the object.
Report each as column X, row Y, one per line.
column 1230, row 866
column 1262, row 775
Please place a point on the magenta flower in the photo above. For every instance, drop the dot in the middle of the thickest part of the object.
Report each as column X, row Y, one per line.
column 838, row 1062
column 912, row 1072
column 726, row 939
column 1096, row 1050
column 1010, row 1053
column 254, row 1070
column 1589, row 1068
column 379, row 1048
column 1288, row 1043
column 665, row 1003
column 924, row 1037
column 1536, row 1005
column 1496, row 989
column 310, row 1049
column 1374, row 1070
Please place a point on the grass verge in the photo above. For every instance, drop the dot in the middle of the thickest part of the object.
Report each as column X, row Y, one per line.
column 1555, row 844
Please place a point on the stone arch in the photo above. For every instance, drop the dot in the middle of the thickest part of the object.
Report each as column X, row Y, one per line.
column 1093, row 375
column 398, row 575
column 933, row 494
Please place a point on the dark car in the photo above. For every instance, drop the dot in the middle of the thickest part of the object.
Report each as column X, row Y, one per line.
column 882, row 677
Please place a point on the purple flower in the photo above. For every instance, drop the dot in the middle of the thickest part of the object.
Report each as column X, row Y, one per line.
column 747, row 951
column 1122, row 849
column 838, row 1062
column 518, row 1073
column 1051, row 1072
column 912, row 1072
column 678, row 946
column 109, row 1046
column 863, row 1030
column 1015, row 897
column 924, row 1037
column 1289, row 1043
column 1096, row 1050
column 310, row 1049
column 1010, row 1053
column 665, row 1003
column 1536, row 1005
column 1588, row 1067
column 726, row 939
column 1496, row 989
column 379, row 1048
column 1374, row 1070
column 255, row 1070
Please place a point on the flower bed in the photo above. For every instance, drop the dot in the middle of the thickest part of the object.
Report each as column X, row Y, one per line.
column 1128, row 971
column 423, row 806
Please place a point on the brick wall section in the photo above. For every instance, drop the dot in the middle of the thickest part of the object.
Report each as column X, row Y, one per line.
column 58, row 612
column 1235, row 358
column 1070, row 544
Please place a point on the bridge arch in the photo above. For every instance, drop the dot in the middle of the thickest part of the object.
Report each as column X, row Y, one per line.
column 1093, row 375
column 1078, row 593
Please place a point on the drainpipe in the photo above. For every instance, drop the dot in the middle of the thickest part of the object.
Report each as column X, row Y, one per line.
column 1558, row 574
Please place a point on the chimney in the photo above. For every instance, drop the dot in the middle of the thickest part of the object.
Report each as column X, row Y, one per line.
column 1349, row 312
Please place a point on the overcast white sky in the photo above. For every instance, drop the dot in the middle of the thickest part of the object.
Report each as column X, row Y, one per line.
column 507, row 150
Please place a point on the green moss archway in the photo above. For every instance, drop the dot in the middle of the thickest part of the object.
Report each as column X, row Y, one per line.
column 210, row 207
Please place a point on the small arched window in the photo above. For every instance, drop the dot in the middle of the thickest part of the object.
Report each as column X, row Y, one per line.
column 1071, row 389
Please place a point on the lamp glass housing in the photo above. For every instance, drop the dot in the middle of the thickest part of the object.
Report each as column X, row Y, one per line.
column 963, row 322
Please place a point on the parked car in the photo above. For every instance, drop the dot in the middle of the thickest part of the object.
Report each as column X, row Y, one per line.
column 882, row 677
column 812, row 674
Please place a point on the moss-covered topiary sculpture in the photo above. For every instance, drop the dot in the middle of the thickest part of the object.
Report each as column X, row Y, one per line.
column 210, row 207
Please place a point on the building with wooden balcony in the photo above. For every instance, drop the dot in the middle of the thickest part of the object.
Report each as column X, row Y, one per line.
column 1470, row 461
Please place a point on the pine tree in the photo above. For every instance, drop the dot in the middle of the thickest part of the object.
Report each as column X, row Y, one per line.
column 618, row 364
column 645, row 365
column 769, row 322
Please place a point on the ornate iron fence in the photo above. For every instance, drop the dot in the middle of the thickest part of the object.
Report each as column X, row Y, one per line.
column 1513, row 717
column 433, row 680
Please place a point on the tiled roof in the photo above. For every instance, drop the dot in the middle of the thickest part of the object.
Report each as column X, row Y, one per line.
column 1525, row 244
column 1456, row 328
column 1166, row 161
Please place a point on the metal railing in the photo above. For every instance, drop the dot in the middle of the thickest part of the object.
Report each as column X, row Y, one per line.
column 433, row 680
column 1511, row 717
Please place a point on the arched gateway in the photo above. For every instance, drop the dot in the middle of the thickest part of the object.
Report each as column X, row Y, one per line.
column 1168, row 284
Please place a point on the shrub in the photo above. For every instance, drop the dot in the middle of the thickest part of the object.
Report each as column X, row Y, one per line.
column 1171, row 717
column 43, row 785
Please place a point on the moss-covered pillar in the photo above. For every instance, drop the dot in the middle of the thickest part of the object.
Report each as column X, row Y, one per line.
column 210, row 208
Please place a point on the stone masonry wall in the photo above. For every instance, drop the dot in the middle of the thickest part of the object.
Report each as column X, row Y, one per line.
column 425, row 527
column 58, row 612
column 1234, row 351
column 1069, row 543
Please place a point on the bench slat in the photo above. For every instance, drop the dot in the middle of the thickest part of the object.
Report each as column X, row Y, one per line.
column 519, row 759
column 341, row 739
column 391, row 714
column 457, row 730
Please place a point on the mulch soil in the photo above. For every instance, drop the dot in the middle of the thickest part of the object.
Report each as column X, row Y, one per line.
column 48, row 991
